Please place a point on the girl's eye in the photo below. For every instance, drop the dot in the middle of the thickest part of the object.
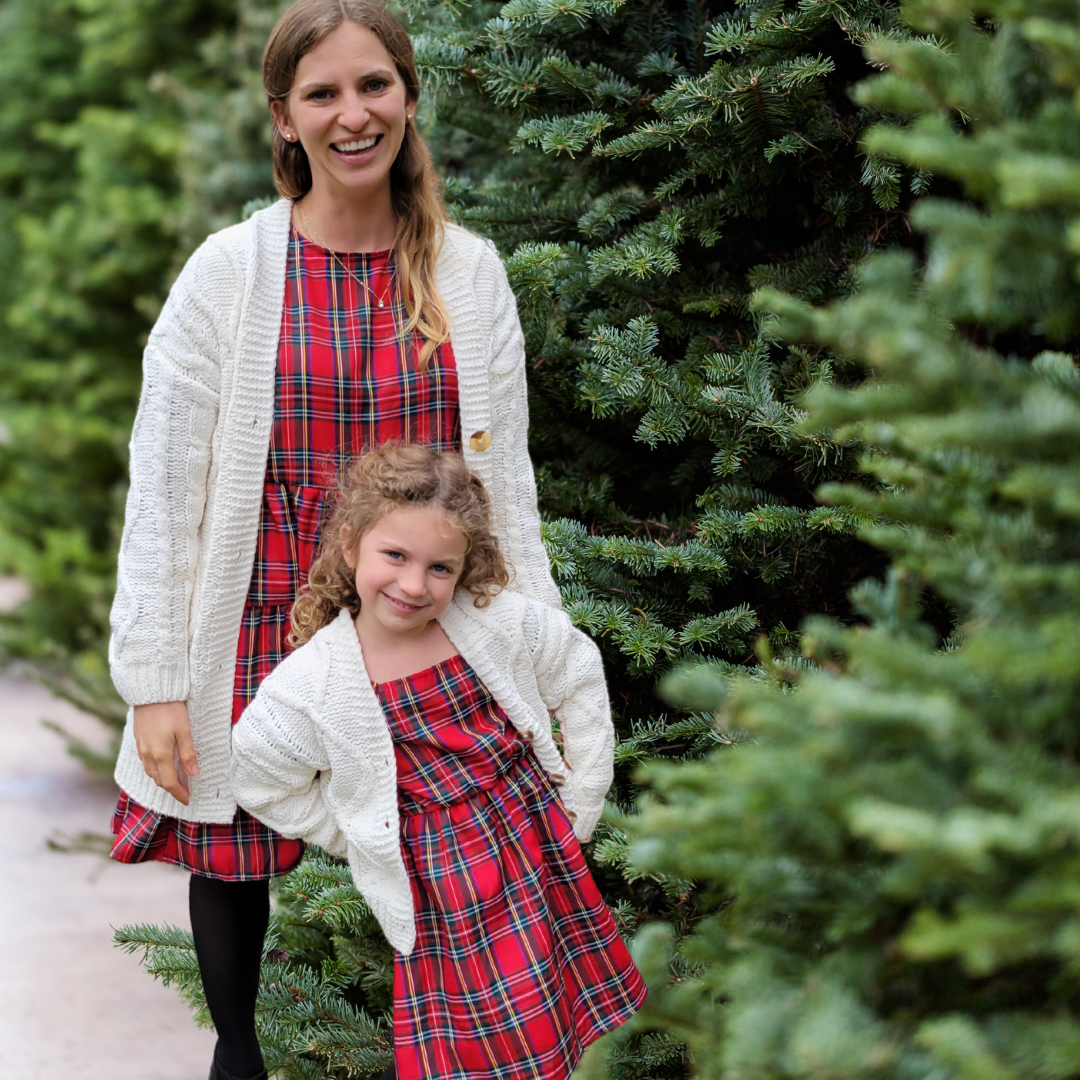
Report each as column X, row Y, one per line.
column 439, row 568
column 393, row 554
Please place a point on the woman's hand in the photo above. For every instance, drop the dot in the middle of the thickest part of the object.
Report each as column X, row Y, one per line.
column 163, row 739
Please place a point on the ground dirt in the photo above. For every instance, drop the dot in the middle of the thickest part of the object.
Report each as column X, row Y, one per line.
column 72, row 1005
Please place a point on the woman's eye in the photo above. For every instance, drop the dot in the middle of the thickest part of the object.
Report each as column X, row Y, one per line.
column 377, row 84
column 319, row 95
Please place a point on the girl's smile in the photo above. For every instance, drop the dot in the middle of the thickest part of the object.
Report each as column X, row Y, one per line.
column 401, row 605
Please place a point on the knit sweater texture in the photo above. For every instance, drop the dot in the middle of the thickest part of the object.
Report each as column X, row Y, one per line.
column 313, row 756
column 198, row 460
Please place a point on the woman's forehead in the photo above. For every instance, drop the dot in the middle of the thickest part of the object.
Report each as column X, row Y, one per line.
column 350, row 51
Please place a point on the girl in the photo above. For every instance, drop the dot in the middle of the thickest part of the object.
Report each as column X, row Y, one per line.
column 412, row 734
column 348, row 313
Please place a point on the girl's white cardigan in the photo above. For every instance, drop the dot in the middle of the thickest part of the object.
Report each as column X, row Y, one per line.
column 313, row 756
column 198, row 459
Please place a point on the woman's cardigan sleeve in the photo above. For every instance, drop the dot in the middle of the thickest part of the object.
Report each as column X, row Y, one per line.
column 570, row 677
column 280, row 766
column 170, row 459
column 510, row 404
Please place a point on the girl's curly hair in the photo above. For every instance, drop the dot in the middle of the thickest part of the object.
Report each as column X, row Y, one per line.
column 387, row 479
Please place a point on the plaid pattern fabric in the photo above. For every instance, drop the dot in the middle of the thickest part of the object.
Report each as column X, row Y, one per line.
column 244, row 850
column 344, row 384
column 518, row 964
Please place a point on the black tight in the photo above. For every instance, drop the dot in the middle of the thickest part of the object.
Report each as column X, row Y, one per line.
column 228, row 921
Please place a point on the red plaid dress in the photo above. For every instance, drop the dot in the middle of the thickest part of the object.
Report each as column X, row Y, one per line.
column 518, row 964
column 345, row 384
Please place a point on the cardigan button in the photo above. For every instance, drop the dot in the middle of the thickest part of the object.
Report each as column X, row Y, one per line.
column 528, row 736
column 572, row 816
column 559, row 778
column 479, row 441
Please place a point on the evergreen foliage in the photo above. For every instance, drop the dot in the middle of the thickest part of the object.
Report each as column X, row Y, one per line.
column 889, row 867
column 667, row 160
column 92, row 130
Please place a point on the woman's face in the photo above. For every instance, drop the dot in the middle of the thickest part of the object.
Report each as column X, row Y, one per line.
column 348, row 109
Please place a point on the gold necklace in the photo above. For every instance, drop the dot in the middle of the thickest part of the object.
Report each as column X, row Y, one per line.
column 381, row 301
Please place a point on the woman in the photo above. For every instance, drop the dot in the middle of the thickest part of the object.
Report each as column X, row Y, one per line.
column 347, row 314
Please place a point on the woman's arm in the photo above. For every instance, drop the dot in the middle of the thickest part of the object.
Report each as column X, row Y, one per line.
column 510, row 413
column 279, row 763
column 570, row 676
column 170, row 458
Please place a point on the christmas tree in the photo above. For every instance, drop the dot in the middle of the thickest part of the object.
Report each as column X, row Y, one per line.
column 888, row 871
column 643, row 168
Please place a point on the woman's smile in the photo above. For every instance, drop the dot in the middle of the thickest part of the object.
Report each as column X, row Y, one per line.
column 356, row 151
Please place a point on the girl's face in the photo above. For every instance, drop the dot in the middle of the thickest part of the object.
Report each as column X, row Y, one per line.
column 407, row 566
column 348, row 109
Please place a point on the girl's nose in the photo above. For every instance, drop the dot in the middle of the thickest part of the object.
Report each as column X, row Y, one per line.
column 411, row 582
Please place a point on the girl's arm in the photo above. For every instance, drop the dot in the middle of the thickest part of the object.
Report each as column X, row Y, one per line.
column 170, row 458
column 510, row 414
column 570, row 675
column 279, row 763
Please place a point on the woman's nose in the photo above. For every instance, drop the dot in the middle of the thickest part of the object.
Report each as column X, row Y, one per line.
column 353, row 113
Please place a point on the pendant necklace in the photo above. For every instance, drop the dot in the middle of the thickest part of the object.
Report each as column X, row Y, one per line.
column 379, row 301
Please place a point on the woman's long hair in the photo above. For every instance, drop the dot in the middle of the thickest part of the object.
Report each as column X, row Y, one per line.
column 419, row 209
column 391, row 478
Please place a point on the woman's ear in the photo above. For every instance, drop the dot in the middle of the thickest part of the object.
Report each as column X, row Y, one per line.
column 281, row 121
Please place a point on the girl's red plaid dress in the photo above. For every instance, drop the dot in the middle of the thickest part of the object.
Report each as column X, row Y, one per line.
column 345, row 384
column 518, row 963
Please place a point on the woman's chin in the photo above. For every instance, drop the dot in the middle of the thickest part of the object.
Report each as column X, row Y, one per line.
column 356, row 182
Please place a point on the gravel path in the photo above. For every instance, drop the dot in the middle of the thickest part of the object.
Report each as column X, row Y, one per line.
column 72, row 1005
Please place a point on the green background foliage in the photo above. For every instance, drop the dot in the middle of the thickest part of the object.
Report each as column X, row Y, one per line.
column 863, row 869
column 91, row 206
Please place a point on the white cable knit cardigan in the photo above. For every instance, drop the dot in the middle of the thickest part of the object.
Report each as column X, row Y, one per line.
column 198, row 460
column 313, row 756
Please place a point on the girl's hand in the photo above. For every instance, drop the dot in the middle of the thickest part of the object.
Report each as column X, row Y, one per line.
column 163, row 739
